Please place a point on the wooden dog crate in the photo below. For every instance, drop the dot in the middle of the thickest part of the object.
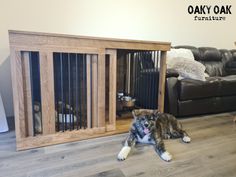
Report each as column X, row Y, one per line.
column 59, row 85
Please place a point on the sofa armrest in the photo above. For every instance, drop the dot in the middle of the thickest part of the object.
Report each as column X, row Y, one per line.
column 172, row 95
column 172, row 73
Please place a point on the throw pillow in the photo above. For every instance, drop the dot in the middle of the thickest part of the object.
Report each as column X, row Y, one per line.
column 189, row 69
column 178, row 53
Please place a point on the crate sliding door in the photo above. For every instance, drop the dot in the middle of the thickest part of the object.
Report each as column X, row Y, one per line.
column 76, row 86
column 59, row 97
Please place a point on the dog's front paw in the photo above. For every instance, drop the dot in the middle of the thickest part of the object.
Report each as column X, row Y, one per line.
column 166, row 156
column 124, row 153
column 186, row 139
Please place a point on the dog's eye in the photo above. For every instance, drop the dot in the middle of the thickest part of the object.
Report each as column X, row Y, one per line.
column 142, row 119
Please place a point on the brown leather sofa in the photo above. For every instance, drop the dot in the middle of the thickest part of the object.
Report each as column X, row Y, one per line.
column 217, row 94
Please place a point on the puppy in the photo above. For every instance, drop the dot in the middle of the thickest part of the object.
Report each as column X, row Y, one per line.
column 150, row 126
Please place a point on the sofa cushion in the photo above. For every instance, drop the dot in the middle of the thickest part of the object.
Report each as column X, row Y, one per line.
column 210, row 54
column 201, row 106
column 214, row 68
column 208, row 105
column 189, row 89
column 212, row 59
column 194, row 89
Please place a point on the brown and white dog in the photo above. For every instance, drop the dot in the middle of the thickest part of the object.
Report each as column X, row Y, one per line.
column 150, row 126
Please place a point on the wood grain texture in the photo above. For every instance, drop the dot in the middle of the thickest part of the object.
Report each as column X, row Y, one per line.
column 27, row 93
column 122, row 126
column 59, row 137
column 101, row 89
column 94, row 91
column 15, row 91
column 47, row 92
column 211, row 153
column 162, row 79
column 89, row 93
column 18, row 94
column 45, row 40
column 112, row 89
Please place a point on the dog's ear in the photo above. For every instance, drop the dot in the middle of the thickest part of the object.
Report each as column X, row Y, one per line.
column 155, row 112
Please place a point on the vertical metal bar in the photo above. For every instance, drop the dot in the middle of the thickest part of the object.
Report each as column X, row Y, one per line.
column 131, row 75
column 76, row 91
column 125, row 74
column 69, row 89
column 128, row 73
column 135, row 75
column 81, row 89
column 72, row 92
column 148, row 80
column 65, row 88
column 62, row 94
column 85, row 92
column 91, row 82
column 138, row 75
column 32, row 91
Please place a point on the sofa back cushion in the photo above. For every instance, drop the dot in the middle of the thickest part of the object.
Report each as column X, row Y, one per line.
column 195, row 51
column 212, row 59
column 210, row 54
column 216, row 61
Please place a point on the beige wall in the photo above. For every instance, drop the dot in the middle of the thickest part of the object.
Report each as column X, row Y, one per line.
column 162, row 20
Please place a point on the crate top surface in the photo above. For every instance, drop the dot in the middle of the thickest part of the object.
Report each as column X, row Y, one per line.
column 45, row 40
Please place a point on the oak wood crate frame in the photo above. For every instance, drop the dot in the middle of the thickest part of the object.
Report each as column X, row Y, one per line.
column 46, row 44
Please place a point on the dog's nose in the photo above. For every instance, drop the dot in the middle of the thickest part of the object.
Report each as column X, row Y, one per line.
column 146, row 124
